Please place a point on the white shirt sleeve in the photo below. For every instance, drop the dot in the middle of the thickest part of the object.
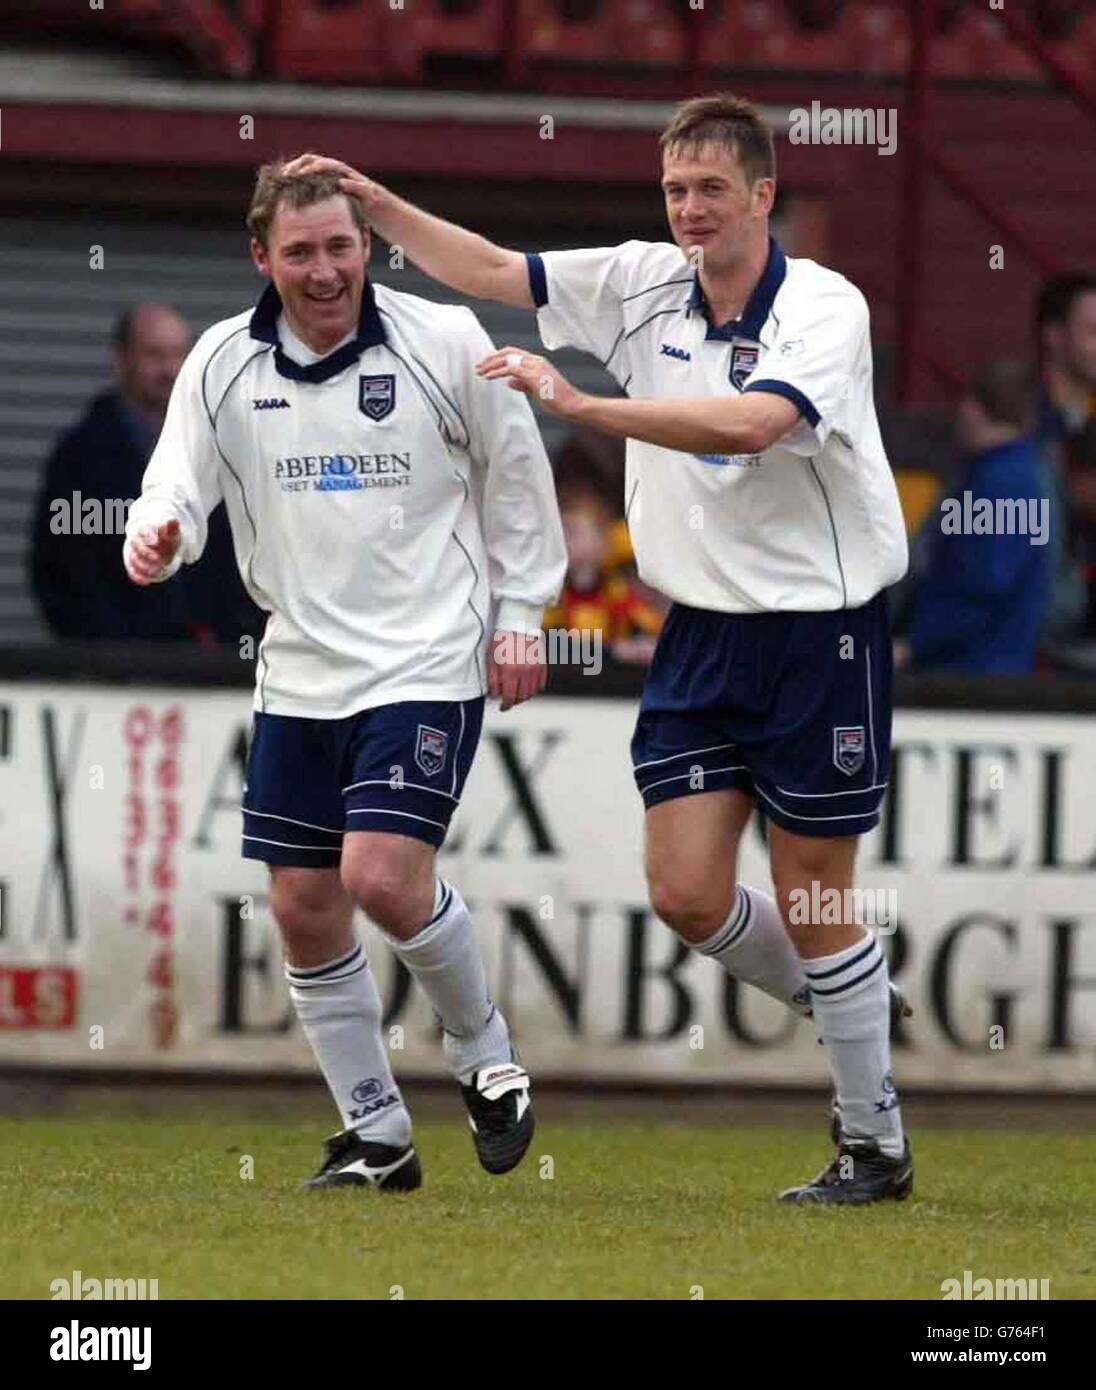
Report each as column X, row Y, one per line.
column 182, row 480
column 580, row 299
column 522, row 531
column 821, row 345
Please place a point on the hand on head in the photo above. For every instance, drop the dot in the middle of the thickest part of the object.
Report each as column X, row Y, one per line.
column 350, row 180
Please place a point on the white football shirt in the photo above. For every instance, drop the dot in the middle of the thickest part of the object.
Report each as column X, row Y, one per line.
column 813, row 523
column 389, row 508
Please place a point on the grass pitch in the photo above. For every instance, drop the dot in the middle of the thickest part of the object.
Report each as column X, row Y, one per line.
column 601, row 1208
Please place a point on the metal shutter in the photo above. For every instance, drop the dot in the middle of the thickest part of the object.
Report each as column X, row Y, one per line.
column 56, row 316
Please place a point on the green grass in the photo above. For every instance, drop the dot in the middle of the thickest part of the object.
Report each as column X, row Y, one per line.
column 633, row 1211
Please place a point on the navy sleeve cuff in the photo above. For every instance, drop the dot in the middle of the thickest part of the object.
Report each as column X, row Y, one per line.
column 538, row 280
column 790, row 393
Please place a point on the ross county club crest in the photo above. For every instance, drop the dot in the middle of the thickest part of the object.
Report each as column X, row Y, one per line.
column 848, row 749
column 377, row 396
column 743, row 361
column 431, row 749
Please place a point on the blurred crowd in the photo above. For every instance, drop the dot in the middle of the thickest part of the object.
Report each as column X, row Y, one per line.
column 1003, row 554
column 1003, row 563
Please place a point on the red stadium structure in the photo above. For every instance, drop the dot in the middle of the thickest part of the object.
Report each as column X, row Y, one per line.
column 989, row 146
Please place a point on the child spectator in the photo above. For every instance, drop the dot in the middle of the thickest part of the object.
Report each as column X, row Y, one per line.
column 598, row 595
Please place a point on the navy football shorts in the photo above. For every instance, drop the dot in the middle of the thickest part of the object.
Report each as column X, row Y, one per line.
column 793, row 708
column 398, row 768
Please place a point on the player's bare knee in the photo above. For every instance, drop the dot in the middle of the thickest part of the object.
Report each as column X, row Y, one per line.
column 693, row 914
column 383, row 888
column 392, row 879
column 310, row 909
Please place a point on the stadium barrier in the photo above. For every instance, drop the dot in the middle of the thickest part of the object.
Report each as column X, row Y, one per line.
column 133, row 935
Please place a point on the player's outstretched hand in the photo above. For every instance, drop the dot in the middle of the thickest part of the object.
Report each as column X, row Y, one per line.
column 150, row 551
column 535, row 376
column 516, row 668
column 350, row 180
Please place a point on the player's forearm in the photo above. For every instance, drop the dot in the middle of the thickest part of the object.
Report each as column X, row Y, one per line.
column 710, row 425
column 524, row 538
column 459, row 258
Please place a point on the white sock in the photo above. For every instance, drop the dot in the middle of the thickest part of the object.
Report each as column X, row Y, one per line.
column 753, row 945
column 445, row 959
column 340, row 1012
column 490, row 1047
column 850, row 993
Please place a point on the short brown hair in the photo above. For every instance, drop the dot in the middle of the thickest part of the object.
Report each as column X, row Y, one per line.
column 1002, row 387
column 1058, row 295
column 273, row 187
column 725, row 120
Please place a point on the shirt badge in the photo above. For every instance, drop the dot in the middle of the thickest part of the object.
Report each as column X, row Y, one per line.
column 377, row 396
column 743, row 361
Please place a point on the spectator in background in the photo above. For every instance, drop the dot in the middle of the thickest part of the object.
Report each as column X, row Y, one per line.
column 76, row 569
column 598, row 460
column 1066, row 410
column 982, row 602
column 598, row 594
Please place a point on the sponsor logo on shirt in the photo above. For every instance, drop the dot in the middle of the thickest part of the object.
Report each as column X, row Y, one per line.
column 271, row 403
column 731, row 460
column 342, row 472
column 668, row 350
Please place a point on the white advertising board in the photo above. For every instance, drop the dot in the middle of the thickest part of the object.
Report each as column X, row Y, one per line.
column 133, row 934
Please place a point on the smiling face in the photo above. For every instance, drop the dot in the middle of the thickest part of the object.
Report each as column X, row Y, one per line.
column 316, row 257
column 715, row 214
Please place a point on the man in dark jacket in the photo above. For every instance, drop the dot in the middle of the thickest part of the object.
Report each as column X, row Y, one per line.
column 94, row 469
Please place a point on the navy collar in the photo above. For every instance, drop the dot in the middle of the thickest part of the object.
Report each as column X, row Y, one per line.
column 758, row 306
column 264, row 327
